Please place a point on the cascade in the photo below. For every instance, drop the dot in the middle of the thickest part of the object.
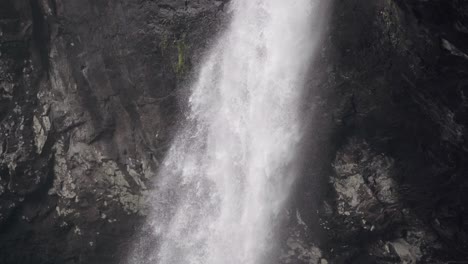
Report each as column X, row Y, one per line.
column 224, row 182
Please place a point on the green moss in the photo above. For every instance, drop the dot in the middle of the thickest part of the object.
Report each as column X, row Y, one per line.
column 180, row 67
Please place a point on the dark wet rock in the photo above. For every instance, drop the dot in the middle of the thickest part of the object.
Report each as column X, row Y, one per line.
column 399, row 149
column 91, row 94
column 368, row 208
column 89, row 101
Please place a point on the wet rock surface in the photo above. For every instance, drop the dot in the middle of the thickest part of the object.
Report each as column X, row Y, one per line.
column 90, row 99
column 91, row 93
column 397, row 183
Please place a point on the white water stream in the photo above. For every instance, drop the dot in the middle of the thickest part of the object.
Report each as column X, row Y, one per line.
column 223, row 185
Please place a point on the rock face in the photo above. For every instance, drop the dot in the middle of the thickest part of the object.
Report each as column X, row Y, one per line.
column 89, row 100
column 90, row 97
column 397, row 131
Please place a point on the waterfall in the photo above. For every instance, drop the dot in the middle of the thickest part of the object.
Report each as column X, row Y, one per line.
column 223, row 185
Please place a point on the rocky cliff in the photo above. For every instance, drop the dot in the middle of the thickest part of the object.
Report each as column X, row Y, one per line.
column 91, row 92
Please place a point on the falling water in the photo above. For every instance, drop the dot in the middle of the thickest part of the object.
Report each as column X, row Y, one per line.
column 224, row 183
